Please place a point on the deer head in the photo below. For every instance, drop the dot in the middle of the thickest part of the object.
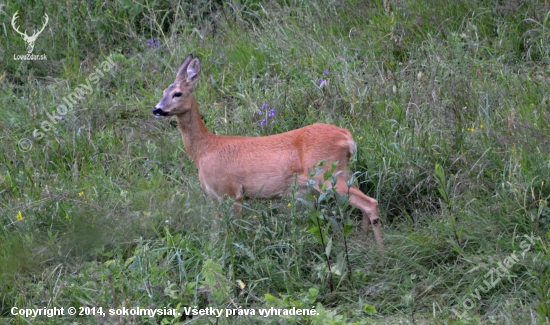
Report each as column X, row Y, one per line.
column 28, row 39
column 176, row 98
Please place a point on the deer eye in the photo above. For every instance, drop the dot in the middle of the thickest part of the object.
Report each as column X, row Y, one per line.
column 178, row 94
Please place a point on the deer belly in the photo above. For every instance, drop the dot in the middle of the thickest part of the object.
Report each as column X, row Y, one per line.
column 268, row 186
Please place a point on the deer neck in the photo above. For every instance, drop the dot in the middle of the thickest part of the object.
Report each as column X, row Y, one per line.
column 193, row 132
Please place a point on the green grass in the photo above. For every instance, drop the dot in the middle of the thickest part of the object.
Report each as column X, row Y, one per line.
column 448, row 104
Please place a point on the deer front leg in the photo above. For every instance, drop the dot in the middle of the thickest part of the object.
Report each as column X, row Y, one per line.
column 237, row 206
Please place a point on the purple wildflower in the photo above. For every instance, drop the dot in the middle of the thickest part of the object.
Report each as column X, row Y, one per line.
column 154, row 42
column 270, row 113
column 326, row 72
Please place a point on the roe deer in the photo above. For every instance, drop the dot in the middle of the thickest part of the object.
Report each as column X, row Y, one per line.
column 260, row 167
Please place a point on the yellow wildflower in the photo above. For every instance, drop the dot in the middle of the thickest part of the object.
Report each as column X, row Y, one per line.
column 19, row 216
column 182, row 194
column 81, row 193
column 241, row 284
column 289, row 205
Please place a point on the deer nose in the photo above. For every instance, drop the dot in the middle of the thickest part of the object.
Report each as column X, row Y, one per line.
column 159, row 112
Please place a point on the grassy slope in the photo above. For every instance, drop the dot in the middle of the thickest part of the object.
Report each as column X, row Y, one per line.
column 111, row 211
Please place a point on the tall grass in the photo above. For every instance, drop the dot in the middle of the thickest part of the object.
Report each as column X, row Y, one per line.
column 448, row 103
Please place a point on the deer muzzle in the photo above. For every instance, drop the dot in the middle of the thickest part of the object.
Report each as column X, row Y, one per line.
column 159, row 112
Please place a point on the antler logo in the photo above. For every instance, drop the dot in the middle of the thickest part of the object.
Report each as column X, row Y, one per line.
column 28, row 39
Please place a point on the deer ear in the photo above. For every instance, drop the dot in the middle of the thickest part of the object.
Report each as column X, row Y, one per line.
column 182, row 71
column 193, row 70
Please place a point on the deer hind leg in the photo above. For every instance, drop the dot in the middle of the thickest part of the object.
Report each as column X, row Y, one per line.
column 368, row 207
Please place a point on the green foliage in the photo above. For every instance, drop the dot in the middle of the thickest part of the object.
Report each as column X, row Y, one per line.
column 106, row 209
column 213, row 281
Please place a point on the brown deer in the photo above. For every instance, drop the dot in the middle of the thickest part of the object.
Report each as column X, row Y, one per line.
column 260, row 167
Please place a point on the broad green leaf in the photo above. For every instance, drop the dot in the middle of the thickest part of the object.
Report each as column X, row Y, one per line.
column 369, row 309
column 308, row 204
column 329, row 247
column 348, row 228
